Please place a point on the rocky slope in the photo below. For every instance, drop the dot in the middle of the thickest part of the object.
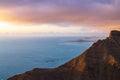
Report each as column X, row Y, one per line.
column 100, row 62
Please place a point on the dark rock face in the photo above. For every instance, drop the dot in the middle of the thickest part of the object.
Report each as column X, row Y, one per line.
column 100, row 62
column 115, row 33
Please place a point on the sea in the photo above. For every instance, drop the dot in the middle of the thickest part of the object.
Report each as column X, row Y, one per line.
column 21, row 54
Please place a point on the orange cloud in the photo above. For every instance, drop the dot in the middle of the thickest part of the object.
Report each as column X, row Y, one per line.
column 101, row 13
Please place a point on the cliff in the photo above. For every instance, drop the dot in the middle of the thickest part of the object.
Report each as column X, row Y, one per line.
column 100, row 62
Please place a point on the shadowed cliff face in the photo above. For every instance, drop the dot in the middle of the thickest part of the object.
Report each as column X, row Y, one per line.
column 100, row 62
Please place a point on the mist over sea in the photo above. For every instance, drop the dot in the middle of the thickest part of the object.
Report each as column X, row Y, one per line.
column 18, row 55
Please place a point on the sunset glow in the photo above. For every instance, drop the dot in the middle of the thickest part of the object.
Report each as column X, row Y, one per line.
column 58, row 17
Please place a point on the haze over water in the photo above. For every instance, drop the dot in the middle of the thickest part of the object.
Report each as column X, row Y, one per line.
column 18, row 55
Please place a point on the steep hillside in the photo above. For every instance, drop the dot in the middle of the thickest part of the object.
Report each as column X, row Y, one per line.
column 100, row 62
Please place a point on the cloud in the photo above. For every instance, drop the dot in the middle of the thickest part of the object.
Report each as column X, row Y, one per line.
column 79, row 12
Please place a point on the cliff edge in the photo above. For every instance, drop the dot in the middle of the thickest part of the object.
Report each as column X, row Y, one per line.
column 100, row 62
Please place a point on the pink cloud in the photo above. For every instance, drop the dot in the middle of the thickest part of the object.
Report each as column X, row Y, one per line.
column 82, row 12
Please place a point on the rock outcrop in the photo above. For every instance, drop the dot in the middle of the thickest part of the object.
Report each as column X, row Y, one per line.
column 100, row 62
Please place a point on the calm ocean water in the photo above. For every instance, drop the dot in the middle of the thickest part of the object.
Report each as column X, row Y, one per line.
column 18, row 55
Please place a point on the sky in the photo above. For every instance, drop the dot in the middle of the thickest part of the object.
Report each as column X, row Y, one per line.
column 59, row 17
